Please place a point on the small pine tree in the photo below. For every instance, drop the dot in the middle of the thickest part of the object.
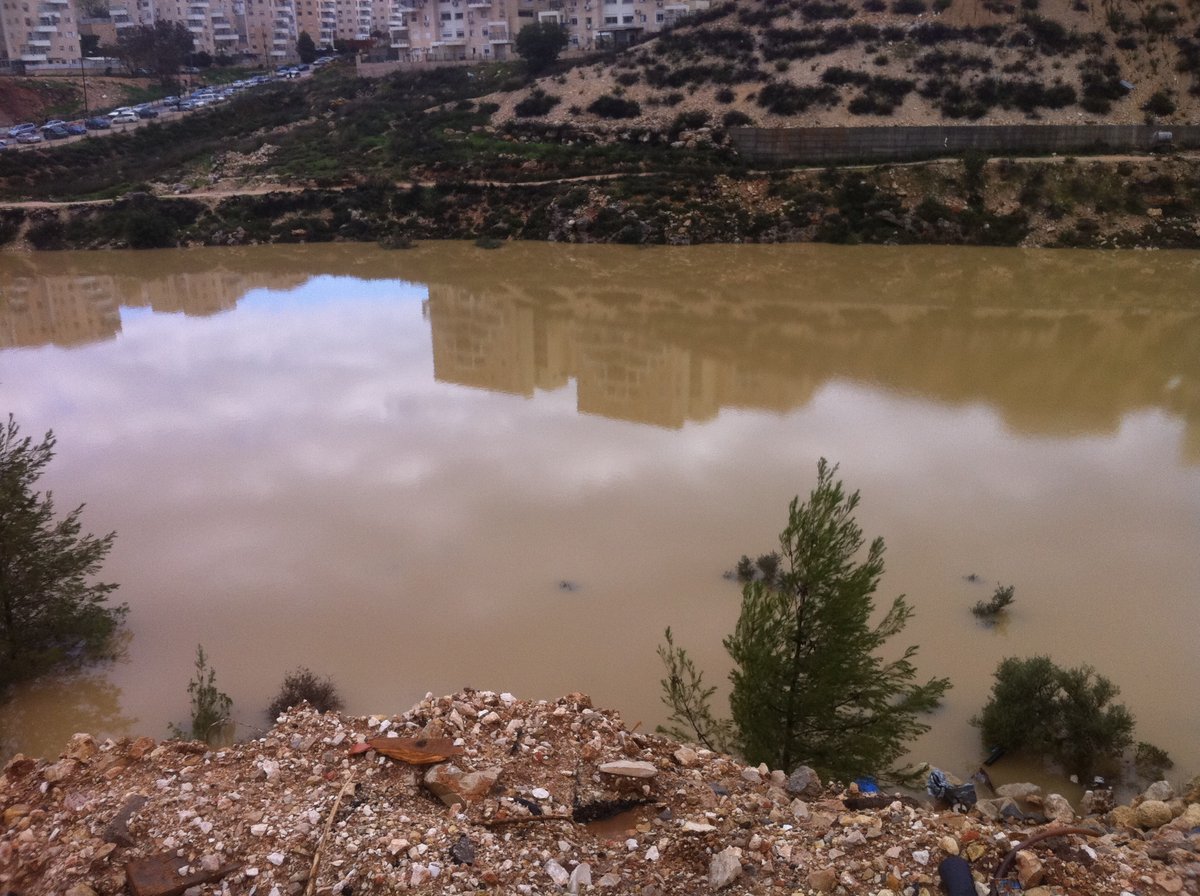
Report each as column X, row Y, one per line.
column 807, row 684
column 210, row 707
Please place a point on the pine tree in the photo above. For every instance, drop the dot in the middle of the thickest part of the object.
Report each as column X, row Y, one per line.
column 50, row 611
column 807, row 684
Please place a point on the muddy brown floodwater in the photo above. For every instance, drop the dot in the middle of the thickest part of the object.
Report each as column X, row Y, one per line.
column 444, row 467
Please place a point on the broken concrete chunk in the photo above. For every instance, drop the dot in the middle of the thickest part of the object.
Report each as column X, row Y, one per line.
column 629, row 768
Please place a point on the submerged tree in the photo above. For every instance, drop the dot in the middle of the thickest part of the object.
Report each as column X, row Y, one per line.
column 1065, row 715
column 50, row 609
column 808, row 685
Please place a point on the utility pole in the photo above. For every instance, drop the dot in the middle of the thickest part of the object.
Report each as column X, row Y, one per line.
column 83, row 77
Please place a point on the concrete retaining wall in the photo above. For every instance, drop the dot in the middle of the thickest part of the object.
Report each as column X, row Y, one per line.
column 893, row 144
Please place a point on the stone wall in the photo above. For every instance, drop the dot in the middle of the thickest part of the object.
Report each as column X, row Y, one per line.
column 888, row 144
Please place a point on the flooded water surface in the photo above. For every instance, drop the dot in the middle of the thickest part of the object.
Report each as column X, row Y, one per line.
column 417, row 471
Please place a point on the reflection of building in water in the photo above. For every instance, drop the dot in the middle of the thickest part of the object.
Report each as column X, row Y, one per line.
column 656, row 361
column 59, row 310
column 73, row 309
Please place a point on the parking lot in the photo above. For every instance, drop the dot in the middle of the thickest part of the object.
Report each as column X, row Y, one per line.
column 31, row 135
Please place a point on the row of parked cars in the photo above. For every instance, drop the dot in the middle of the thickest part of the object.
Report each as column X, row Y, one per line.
column 28, row 132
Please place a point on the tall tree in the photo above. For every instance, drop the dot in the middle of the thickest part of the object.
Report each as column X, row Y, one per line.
column 306, row 48
column 807, row 683
column 160, row 49
column 540, row 43
column 50, row 610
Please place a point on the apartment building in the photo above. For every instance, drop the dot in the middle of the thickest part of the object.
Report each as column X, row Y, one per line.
column 39, row 32
column 47, row 31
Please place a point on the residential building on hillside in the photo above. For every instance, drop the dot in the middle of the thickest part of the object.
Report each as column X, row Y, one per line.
column 46, row 32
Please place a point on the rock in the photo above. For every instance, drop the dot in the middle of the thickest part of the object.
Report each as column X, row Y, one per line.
column 1096, row 802
column 141, row 747
column 994, row 810
column 82, row 747
column 1189, row 820
column 581, row 876
column 80, row 890
column 463, row 851
column 823, row 880
column 1192, row 791
column 14, row 813
column 751, row 775
column 540, row 793
column 557, row 873
column 629, row 768
column 117, row 830
column 803, row 782
column 1152, row 814
column 687, row 757
column 725, row 868
column 698, row 827
column 1123, row 817
column 1168, row 882
column 949, row 846
column 451, row 785
column 1159, row 790
column 799, row 809
column 611, row 879
column 1018, row 791
column 1030, row 871
column 60, row 771
column 1057, row 808
column 921, row 856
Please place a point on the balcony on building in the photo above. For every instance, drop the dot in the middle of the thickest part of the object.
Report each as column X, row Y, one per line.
column 34, row 57
column 400, row 44
column 45, row 28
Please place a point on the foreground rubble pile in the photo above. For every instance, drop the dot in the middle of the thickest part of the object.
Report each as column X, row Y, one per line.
column 518, row 807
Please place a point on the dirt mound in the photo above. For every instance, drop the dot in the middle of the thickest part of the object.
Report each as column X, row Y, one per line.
column 316, row 806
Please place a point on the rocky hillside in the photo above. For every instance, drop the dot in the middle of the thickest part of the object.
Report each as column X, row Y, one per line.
column 518, row 797
column 881, row 62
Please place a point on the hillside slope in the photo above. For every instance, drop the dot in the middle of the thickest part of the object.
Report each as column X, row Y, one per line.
column 882, row 62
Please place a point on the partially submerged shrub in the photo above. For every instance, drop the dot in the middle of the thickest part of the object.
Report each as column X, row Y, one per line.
column 1064, row 715
column 990, row 609
column 303, row 684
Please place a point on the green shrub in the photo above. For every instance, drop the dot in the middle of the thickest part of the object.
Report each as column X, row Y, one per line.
column 909, row 7
column 303, row 684
column 47, row 233
column 537, row 103
column 1159, row 103
column 1065, row 715
column 609, row 106
column 736, row 118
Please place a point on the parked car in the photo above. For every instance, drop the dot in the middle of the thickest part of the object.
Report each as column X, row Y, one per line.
column 187, row 106
column 122, row 110
column 3, row 144
column 129, row 117
column 56, row 132
column 54, row 123
column 33, row 136
column 21, row 128
column 76, row 128
column 147, row 113
column 97, row 124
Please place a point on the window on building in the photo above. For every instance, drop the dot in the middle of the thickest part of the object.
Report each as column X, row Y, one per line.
column 610, row 20
column 628, row 20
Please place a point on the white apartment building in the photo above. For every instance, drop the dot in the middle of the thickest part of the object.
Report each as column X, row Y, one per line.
column 39, row 32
